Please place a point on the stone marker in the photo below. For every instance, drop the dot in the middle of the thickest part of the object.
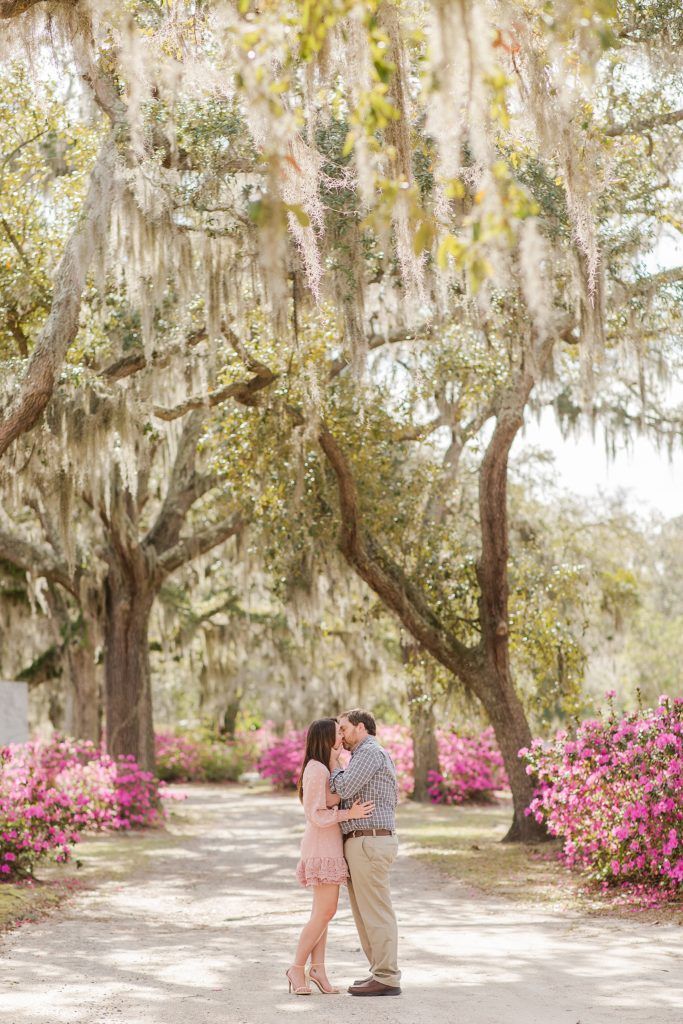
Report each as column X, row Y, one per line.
column 13, row 712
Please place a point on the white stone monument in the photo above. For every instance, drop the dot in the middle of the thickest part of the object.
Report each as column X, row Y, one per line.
column 13, row 713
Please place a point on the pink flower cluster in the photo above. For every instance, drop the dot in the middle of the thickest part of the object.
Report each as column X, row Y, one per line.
column 177, row 758
column 51, row 792
column 183, row 758
column 614, row 793
column 281, row 760
column 471, row 768
column 399, row 745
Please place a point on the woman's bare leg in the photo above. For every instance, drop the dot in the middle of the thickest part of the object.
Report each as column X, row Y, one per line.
column 318, row 969
column 318, row 951
column 325, row 899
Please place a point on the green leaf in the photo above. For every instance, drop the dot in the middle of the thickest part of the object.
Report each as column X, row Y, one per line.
column 424, row 236
column 300, row 214
column 349, row 143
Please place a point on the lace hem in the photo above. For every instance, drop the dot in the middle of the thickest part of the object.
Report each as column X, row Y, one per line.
column 322, row 871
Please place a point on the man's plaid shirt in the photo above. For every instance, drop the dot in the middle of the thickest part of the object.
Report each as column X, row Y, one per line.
column 370, row 775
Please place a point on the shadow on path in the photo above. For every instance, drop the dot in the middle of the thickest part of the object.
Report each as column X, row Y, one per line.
column 202, row 931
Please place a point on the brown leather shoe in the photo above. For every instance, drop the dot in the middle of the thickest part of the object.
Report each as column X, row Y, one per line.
column 374, row 988
column 362, row 981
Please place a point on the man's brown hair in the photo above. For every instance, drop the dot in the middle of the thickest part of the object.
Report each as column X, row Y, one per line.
column 358, row 715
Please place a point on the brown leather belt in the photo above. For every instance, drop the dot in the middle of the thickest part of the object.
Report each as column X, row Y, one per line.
column 368, row 832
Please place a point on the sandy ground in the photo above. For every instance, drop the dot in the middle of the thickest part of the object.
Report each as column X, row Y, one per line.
column 202, row 930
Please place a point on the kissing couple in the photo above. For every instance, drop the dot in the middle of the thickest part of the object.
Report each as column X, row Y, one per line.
column 350, row 838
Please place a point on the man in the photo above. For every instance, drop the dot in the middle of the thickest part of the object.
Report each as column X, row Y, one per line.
column 370, row 848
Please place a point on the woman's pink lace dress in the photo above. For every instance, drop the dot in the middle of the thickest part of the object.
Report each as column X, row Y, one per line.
column 322, row 850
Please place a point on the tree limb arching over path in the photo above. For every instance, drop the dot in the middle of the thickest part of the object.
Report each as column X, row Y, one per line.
column 61, row 327
column 201, row 929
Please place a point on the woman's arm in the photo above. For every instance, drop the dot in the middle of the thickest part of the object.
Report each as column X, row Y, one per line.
column 316, row 788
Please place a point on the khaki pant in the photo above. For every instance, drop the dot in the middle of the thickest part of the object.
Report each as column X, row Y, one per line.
column 370, row 859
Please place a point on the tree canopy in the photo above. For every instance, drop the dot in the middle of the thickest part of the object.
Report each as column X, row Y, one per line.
column 291, row 275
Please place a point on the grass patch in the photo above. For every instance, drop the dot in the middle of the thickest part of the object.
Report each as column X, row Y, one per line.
column 29, row 901
column 465, row 843
column 97, row 858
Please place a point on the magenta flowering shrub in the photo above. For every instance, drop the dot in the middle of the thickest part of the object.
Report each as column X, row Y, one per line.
column 51, row 792
column 281, row 761
column 471, row 768
column 614, row 793
column 177, row 757
column 183, row 758
column 398, row 742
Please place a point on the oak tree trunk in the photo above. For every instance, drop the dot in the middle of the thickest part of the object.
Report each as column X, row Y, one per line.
column 425, row 750
column 84, row 705
column 494, row 684
column 228, row 722
column 127, row 683
column 505, row 712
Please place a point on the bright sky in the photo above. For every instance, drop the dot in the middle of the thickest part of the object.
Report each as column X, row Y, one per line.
column 650, row 478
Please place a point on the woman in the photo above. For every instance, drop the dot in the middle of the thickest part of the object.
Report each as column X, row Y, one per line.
column 322, row 866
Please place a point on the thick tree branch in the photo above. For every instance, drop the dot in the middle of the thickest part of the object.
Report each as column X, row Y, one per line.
column 133, row 363
column 62, row 323
column 645, row 124
column 37, row 560
column 126, row 366
column 673, row 275
column 492, row 568
column 182, row 491
column 198, row 544
column 386, row 579
column 17, row 333
column 242, row 391
column 13, row 8
column 378, row 341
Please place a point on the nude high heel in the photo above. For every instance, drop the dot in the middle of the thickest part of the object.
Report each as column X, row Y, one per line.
column 302, row 990
column 316, row 981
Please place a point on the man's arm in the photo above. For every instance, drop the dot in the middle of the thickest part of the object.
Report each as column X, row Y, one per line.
column 349, row 781
column 331, row 799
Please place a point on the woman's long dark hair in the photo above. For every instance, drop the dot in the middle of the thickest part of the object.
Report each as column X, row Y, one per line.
column 320, row 739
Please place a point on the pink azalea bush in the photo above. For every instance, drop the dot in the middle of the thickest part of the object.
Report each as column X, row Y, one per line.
column 471, row 768
column 177, row 758
column 51, row 792
column 281, row 760
column 398, row 742
column 614, row 793
column 187, row 758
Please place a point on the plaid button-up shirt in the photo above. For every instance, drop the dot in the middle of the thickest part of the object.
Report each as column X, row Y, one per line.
column 370, row 775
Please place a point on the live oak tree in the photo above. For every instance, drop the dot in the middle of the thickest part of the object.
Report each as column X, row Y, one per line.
column 534, row 343
column 131, row 490
column 414, row 167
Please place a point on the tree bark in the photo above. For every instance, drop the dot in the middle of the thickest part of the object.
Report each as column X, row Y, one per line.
column 13, row 8
column 506, row 714
column 127, row 683
column 425, row 749
column 228, row 722
column 84, row 706
column 495, row 685
column 483, row 670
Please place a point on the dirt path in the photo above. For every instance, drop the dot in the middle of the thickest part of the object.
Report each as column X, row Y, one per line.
column 201, row 930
